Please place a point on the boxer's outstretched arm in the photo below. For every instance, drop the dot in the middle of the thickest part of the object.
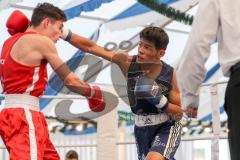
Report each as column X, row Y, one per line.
column 90, row 46
column 87, row 45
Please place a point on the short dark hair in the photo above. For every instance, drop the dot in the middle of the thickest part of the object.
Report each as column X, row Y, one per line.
column 155, row 35
column 44, row 10
column 71, row 154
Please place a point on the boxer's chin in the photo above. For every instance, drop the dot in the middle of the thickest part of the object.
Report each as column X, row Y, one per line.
column 140, row 59
column 55, row 41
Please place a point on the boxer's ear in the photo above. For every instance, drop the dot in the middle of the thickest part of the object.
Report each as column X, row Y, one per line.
column 161, row 53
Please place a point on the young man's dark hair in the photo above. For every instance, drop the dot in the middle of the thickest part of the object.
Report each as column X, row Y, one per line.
column 155, row 35
column 71, row 155
column 44, row 10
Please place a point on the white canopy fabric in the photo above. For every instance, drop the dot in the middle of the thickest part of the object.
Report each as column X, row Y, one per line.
column 139, row 15
column 72, row 8
column 6, row 3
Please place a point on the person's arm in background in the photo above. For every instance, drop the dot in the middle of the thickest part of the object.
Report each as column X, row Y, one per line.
column 191, row 70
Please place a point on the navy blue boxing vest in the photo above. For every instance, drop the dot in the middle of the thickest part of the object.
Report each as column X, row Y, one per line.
column 164, row 80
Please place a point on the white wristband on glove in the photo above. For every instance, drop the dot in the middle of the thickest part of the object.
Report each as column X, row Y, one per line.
column 163, row 103
column 66, row 34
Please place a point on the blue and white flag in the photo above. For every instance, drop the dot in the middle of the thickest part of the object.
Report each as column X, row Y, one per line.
column 73, row 8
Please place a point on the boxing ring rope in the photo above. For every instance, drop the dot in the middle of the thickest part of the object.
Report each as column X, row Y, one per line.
column 108, row 133
column 133, row 142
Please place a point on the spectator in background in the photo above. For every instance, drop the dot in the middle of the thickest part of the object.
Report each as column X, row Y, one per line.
column 71, row 155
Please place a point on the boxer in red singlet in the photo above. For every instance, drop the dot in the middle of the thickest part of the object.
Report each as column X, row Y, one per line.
column 23, row 76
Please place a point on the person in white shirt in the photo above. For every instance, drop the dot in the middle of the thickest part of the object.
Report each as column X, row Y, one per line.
column 215, row 19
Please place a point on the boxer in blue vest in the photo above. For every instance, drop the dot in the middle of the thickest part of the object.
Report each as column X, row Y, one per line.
column 152, row 91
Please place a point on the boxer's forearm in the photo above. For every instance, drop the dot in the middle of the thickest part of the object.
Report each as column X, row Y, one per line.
column 82, row 43
column 174, row 111
column 90, row 46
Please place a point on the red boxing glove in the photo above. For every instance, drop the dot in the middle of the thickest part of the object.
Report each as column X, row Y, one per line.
column 17, row 22
column 96, row 102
